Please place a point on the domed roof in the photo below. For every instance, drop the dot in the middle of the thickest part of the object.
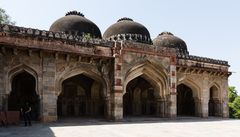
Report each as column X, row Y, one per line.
column 127, row 29
column 167, row 39
column 75, row 23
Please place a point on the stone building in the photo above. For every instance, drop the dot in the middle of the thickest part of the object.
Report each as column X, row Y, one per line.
column 73, row 70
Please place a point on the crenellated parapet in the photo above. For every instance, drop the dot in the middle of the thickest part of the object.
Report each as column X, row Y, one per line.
column 202, row 59
column 49, row 35
column 132, row 37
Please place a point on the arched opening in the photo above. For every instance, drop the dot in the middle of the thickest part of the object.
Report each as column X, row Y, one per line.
column 81, row 96
column 213, row 104
column 24, row 91
column 185, row 101
column 139, row 98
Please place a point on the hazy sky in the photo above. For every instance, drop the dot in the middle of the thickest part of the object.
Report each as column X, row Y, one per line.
column 209, row 27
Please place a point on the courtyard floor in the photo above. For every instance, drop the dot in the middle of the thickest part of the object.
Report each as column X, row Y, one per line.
column 130, row 127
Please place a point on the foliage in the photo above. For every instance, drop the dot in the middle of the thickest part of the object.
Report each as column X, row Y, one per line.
column 4, row 18
column 232, row 93
column 234, row 103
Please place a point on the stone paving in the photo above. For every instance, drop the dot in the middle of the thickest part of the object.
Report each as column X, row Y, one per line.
column 130, row 127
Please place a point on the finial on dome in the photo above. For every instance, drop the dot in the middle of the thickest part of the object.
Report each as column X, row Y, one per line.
column 74, row 12
column 125, row 18
column 166, row 33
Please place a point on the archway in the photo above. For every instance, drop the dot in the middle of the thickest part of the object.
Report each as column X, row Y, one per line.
column 213, row 104
column 185, row 101
column 139, row 98
column 23, row 87
column 81, row 96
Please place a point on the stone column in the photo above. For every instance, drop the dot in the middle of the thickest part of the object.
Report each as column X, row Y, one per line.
column 172, row 99
column 76, row 108
column 1, row 83
column 49, row 97
column 224, row 105
column 117, row 108
column 198, row 107
column 117, row 93
column 161, row 103
column 64, row 108
column 172, row 105
column 205, row 96
column 107, row 108
column 217, row 108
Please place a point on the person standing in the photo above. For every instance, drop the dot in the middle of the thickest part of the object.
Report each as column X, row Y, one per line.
column 26, row 110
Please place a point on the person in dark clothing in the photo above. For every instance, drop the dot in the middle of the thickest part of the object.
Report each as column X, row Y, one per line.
column 26, row 110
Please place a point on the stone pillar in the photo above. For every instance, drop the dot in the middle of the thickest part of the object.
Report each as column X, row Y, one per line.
column 1, row 83
column 49, row 96
column 224, row 107
column 205, row 96
column 172, row 105
column 172, row 100
column 117, row 93
column 64, row 108
column 76, row 108
column 107, row 108
column 217, row 108
column 198, row 108
column 117, row 113
column 161, row 103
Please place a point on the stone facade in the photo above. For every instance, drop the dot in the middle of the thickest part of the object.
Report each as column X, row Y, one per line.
column 52, row 58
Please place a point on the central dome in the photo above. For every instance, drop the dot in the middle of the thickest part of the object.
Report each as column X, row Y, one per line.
column 75, row 23
column 127, row 29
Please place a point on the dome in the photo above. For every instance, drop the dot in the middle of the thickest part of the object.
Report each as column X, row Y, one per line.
column 127, row 29
column 167, row 39
column 75, row 23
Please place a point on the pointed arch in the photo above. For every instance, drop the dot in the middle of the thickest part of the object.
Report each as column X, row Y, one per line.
column 78, row 71
column 215, row 89
column 190, row 83
column 17, row 70
column 156, row 76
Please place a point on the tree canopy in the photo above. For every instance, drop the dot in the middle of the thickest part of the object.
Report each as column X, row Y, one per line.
column 234, row 103
column 5, row 18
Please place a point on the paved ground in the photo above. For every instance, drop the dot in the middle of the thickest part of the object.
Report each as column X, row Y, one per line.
column 131, row 127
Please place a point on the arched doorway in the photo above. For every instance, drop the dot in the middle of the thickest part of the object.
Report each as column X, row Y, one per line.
column 139, row 98
column 213, row 104
column 81, row 96
column 24, row 91
column 185, row 101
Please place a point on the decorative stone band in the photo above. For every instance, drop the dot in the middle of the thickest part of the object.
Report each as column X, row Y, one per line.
column 132, row 37
column 202, row 59
column 35, row 33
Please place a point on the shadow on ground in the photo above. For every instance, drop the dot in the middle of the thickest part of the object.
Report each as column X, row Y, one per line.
column 45, row 129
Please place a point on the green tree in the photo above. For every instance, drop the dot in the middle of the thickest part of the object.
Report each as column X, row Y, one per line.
column 5, row 18
column 234, row 103
column 232, row 93
column 236, row 107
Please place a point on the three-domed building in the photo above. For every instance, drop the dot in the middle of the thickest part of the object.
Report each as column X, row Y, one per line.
column 72, row 70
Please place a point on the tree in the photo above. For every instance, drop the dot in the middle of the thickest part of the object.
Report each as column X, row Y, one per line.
column 4, row 18
column 232, row 93
column 234, row 103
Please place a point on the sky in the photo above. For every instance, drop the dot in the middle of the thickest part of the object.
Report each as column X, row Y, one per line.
column 210, row 28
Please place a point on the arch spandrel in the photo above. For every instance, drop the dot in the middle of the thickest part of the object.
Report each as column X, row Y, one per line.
column 17, row 70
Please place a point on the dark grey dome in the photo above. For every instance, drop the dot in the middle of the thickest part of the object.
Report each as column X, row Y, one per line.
column 75, row 23
column 167, row 39
column 127, row 29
